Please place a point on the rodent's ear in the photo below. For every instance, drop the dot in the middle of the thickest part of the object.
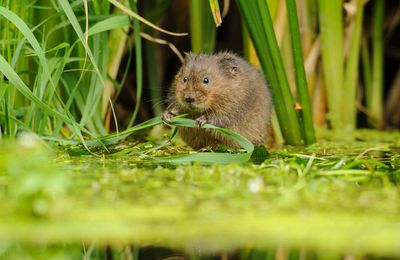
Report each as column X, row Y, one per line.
column 228, row 65
column 188, row 56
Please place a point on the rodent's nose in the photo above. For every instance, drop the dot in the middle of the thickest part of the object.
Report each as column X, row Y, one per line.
column 189, row 100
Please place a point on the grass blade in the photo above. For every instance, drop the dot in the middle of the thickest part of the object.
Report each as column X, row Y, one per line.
column 141, row 19
column 113, row 22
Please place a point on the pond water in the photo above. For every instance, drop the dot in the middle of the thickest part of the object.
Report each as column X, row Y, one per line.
column 335, row 198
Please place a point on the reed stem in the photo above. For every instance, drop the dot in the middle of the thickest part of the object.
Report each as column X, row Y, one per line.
column 300, row 73
column 375, row 104
column 259, row 24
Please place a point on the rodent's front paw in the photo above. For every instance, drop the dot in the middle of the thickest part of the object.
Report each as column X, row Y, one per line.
column 200, row 121
column 167, row 116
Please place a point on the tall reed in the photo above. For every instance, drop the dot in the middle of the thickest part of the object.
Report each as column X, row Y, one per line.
column 374, row 94
column 263, row 36
column 202, row 27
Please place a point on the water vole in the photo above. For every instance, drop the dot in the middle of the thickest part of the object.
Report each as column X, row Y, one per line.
column 223, row 90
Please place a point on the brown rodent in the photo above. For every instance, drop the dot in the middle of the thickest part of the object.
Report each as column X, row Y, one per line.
column 223, row 90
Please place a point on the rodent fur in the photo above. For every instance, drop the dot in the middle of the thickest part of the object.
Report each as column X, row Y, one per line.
column 224, row 90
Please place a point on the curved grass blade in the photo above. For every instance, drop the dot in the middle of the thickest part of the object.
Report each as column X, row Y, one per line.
column 139, row 18
column 113, row 22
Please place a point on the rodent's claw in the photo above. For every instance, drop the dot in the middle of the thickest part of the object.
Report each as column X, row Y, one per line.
column 200, row 121
column 167, row 116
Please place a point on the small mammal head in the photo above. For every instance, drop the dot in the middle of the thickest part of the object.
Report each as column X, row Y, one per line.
column 204, row 82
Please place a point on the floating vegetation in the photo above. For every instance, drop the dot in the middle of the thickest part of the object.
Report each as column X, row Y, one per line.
column 332, row 197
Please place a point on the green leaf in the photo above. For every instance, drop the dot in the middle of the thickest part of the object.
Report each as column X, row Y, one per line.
column 114, row 22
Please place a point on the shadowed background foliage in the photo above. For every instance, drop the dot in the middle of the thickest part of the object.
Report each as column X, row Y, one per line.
column 85, row 68
column 92, row 71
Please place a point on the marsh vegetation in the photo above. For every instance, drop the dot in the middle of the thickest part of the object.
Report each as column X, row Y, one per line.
column 88, row 171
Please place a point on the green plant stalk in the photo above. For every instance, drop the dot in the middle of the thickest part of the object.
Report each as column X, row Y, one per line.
column 196, row 25
column 150, row 52
column 300, row 73
column 139, row 64
column 375, row 105
column 259, row 24
column 366, row 66
column 351, row 71
column 331, row 30
column 202, row 28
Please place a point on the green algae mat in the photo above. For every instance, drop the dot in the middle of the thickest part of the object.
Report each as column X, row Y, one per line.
column 333, row 199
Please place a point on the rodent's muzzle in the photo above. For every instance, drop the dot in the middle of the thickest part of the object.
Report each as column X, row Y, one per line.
column 189, row 99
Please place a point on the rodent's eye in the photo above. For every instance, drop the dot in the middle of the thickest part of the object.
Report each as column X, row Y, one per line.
column 185, row 79
column 206, row 80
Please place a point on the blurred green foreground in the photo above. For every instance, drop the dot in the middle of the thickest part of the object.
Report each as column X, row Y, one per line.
column 331, row 199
